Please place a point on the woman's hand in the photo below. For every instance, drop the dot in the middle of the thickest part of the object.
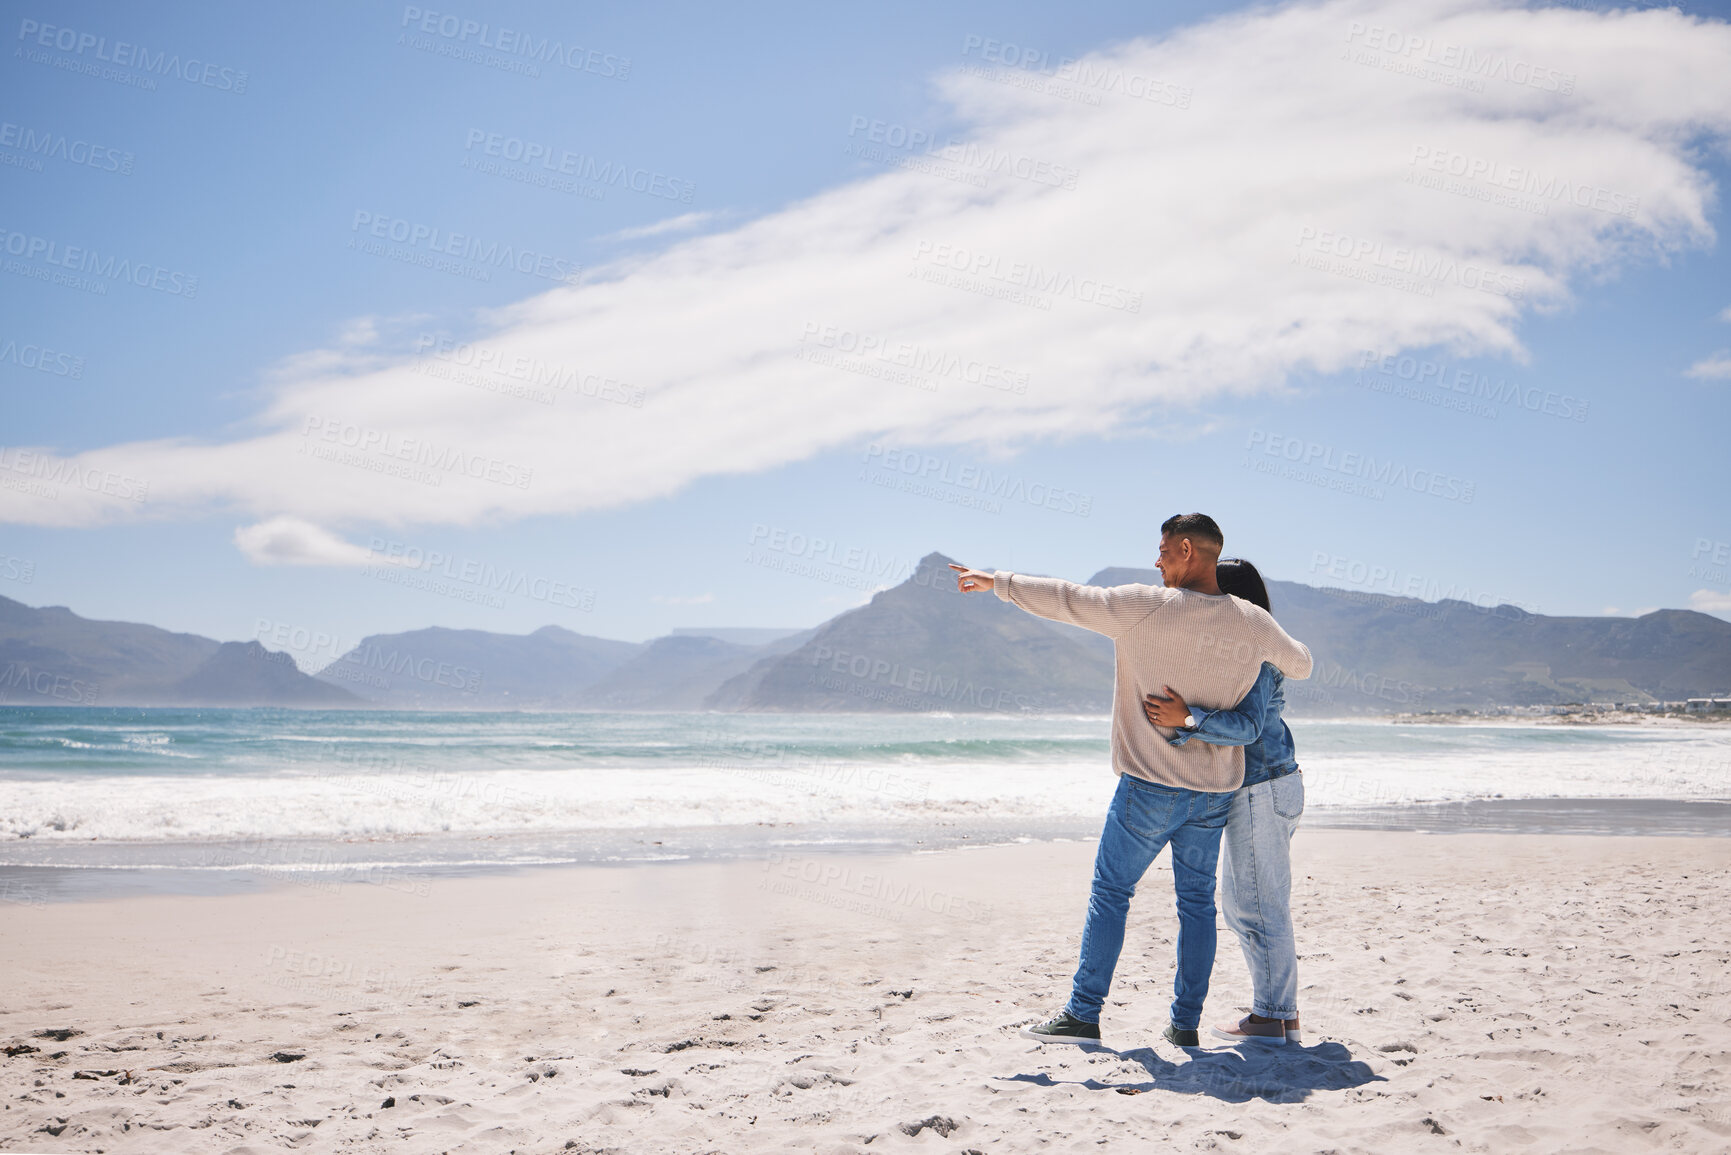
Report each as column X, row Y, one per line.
column 1169, row 711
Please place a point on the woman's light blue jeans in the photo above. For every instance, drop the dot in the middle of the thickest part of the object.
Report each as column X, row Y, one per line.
column 1256, row 889
column 1143, row 818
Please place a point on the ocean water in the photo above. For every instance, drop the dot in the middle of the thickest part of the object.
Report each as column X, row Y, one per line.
column 250, row 789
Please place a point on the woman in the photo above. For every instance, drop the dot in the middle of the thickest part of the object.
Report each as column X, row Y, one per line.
column 1255, row 854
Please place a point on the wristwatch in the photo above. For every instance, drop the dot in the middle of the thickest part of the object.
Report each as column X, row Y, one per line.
column 1190, row 721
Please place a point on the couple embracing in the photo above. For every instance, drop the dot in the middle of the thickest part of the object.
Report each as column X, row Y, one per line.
column 1202, row 757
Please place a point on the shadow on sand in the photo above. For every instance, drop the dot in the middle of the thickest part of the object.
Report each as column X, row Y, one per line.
column 1233, row 1075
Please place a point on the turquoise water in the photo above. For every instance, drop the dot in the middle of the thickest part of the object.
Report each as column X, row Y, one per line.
column 97, row 777
column 73, row 741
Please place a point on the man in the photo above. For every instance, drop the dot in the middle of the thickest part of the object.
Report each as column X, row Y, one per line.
column 1189, row 634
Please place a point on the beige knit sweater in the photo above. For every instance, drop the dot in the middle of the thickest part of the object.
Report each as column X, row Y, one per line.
column 1208, row 647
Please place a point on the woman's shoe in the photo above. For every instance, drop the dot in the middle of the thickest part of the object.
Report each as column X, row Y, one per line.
column 1272, row 1033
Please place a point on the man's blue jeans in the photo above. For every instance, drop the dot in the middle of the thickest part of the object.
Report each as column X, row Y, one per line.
column 1143, row 818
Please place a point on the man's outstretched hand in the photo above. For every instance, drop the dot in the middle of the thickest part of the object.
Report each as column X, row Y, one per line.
column 969, row 581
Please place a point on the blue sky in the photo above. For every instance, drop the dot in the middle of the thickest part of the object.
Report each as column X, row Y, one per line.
column 1231, row 326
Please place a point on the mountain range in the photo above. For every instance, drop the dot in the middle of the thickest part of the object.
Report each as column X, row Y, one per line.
column 918, row 646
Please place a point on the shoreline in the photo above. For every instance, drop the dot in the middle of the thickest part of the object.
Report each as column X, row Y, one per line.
column 1586, row 716
column 412, row 863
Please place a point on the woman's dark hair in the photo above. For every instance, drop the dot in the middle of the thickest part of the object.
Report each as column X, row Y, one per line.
column 1240, row 579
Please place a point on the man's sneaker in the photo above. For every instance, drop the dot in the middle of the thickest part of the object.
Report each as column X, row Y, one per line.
column 1180, row 1037
column 1293, row 1034
column 1065, row 1028
column 1272, row 1032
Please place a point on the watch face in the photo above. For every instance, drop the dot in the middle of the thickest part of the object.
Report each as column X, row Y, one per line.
column 1190, row 721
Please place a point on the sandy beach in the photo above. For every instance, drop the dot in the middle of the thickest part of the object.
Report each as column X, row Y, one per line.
column 1460, row 992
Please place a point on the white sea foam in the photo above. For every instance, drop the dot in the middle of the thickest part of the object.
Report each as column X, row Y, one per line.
column 391, row 775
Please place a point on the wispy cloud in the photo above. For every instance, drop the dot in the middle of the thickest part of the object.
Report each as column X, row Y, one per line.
column 683, row 223
column 291, row 541
column 1283, row 221
column 1716, row 367
column 1711, row 602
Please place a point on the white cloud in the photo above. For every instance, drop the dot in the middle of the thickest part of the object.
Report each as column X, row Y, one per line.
column 1199, row 209
column 682, row 223
column 361, row 347
column 1711, row 602
column 1714, row 368
column 291, row 541
column 1725, row 315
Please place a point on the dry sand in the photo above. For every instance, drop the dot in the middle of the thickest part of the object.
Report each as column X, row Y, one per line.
column 1463, row 992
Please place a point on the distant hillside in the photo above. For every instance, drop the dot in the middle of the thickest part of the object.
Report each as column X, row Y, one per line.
column 922, row 646
column 247, row 674
column 445, row 669
column 919, row 646
column 678, row 672
column 51, row 656
column 550, row 669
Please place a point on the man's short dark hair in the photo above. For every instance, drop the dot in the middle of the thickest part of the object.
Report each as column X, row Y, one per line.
column 1198, row 527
